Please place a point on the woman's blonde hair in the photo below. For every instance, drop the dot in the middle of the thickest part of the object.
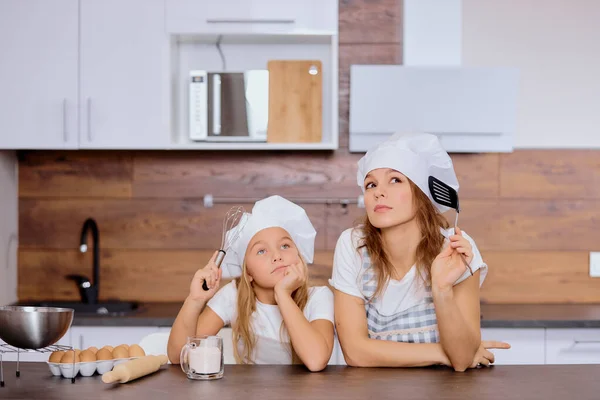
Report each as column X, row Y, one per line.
column 429, row 220
column 246, row 305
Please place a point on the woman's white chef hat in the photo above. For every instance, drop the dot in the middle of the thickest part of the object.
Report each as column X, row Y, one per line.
column 416, row 155
column 274, row 211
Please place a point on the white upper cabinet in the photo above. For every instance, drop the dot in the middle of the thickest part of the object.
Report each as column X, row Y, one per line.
column 38, row 74
column 251, row 16
column 123, row 54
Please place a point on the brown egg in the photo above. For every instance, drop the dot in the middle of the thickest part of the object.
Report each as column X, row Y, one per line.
column 121, row 346
column 93, row 349
column 67, row 358
column 109, row 348
column 104, row 354
column 136, row 351
column 56, row 356
column 87, row 356
column 120, row 352
column 77, row 351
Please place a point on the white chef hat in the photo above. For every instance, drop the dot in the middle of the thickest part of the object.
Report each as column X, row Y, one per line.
column 416, row 155
column 274, row 211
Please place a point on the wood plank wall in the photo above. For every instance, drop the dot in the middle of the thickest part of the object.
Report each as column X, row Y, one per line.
column 534, row 214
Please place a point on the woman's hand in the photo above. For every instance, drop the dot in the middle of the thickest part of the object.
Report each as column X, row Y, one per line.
column 484, row 357
column 448, row 266
column 211, row 274
column 462, row 245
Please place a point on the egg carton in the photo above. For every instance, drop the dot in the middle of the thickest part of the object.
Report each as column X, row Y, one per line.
column 70, row 370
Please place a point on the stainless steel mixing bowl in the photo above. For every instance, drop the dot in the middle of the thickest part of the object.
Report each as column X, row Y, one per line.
column 34, row 327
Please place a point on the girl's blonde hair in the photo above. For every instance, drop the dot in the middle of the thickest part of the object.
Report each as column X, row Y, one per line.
column 429, row 219
column 246, row 305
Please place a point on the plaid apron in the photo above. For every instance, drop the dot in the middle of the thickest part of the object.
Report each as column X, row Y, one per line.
column 418, row 324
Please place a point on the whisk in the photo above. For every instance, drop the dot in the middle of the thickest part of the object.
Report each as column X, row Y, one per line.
column 232, row 224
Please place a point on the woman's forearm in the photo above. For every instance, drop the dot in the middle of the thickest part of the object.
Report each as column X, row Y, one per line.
column 458, row 340
column 366, row 352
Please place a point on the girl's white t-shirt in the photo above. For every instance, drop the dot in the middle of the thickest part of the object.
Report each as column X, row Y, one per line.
column 400, row 295
column 267, row 321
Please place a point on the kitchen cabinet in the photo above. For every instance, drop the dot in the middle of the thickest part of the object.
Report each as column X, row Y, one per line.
column 122, row 52
column 573, row 346
column 87, row 74
column 527, row 345
column 38, row 74
column 83, row 337
column 251, row 16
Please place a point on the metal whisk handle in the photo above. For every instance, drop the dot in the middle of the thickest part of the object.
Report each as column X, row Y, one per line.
column 218, row 261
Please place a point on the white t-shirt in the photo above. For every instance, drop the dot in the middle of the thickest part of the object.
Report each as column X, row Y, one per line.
column 267, row 320
column 400, row 295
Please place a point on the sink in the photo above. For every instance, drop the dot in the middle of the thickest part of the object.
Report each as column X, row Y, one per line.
column 115, row 308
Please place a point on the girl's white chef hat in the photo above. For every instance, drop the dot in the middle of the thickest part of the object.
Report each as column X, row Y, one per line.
column 273, row 211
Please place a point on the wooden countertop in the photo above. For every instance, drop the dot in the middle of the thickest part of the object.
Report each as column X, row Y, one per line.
column 295, row 382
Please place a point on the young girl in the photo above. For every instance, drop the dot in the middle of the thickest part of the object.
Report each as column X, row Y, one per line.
column 276, row 318
column 403, row 266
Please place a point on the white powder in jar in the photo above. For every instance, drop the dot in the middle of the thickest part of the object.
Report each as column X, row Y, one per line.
column 205, row 360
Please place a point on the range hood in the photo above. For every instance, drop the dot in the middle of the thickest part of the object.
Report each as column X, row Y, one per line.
column 471, row 109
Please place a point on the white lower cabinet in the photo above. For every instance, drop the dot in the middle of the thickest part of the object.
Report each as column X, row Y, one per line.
column 573, row 346
column 527, row 345
column 83, row 337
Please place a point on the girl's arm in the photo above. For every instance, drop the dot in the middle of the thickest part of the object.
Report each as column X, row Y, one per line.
column 312, row 341
column 193, row 319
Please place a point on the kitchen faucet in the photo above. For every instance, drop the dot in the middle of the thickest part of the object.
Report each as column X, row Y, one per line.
column 88, row 291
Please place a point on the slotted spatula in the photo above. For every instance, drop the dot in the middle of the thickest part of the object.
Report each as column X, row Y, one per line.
column 447, row 196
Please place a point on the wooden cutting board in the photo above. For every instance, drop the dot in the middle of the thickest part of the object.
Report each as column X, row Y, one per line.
column 295, row 101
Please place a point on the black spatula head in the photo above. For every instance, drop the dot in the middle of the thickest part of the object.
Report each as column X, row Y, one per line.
column 443, row 194
column 446, row 196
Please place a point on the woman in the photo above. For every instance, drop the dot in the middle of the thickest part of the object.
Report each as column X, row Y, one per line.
column 406, row 268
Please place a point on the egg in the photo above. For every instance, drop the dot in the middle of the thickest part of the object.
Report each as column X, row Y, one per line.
column 121, row 346
column 136, row 351
column 109, row 348
column 69, row 356
column 104, row 354
column 120, row 352
column 56, row 356
column 93, row 349
column 77, row 351
column 87, row 356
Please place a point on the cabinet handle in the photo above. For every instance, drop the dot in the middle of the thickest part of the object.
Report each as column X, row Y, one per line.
column 250, row 21
column 64, row 118
column 216, row 104
column 89, row 119
column 581, row 342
